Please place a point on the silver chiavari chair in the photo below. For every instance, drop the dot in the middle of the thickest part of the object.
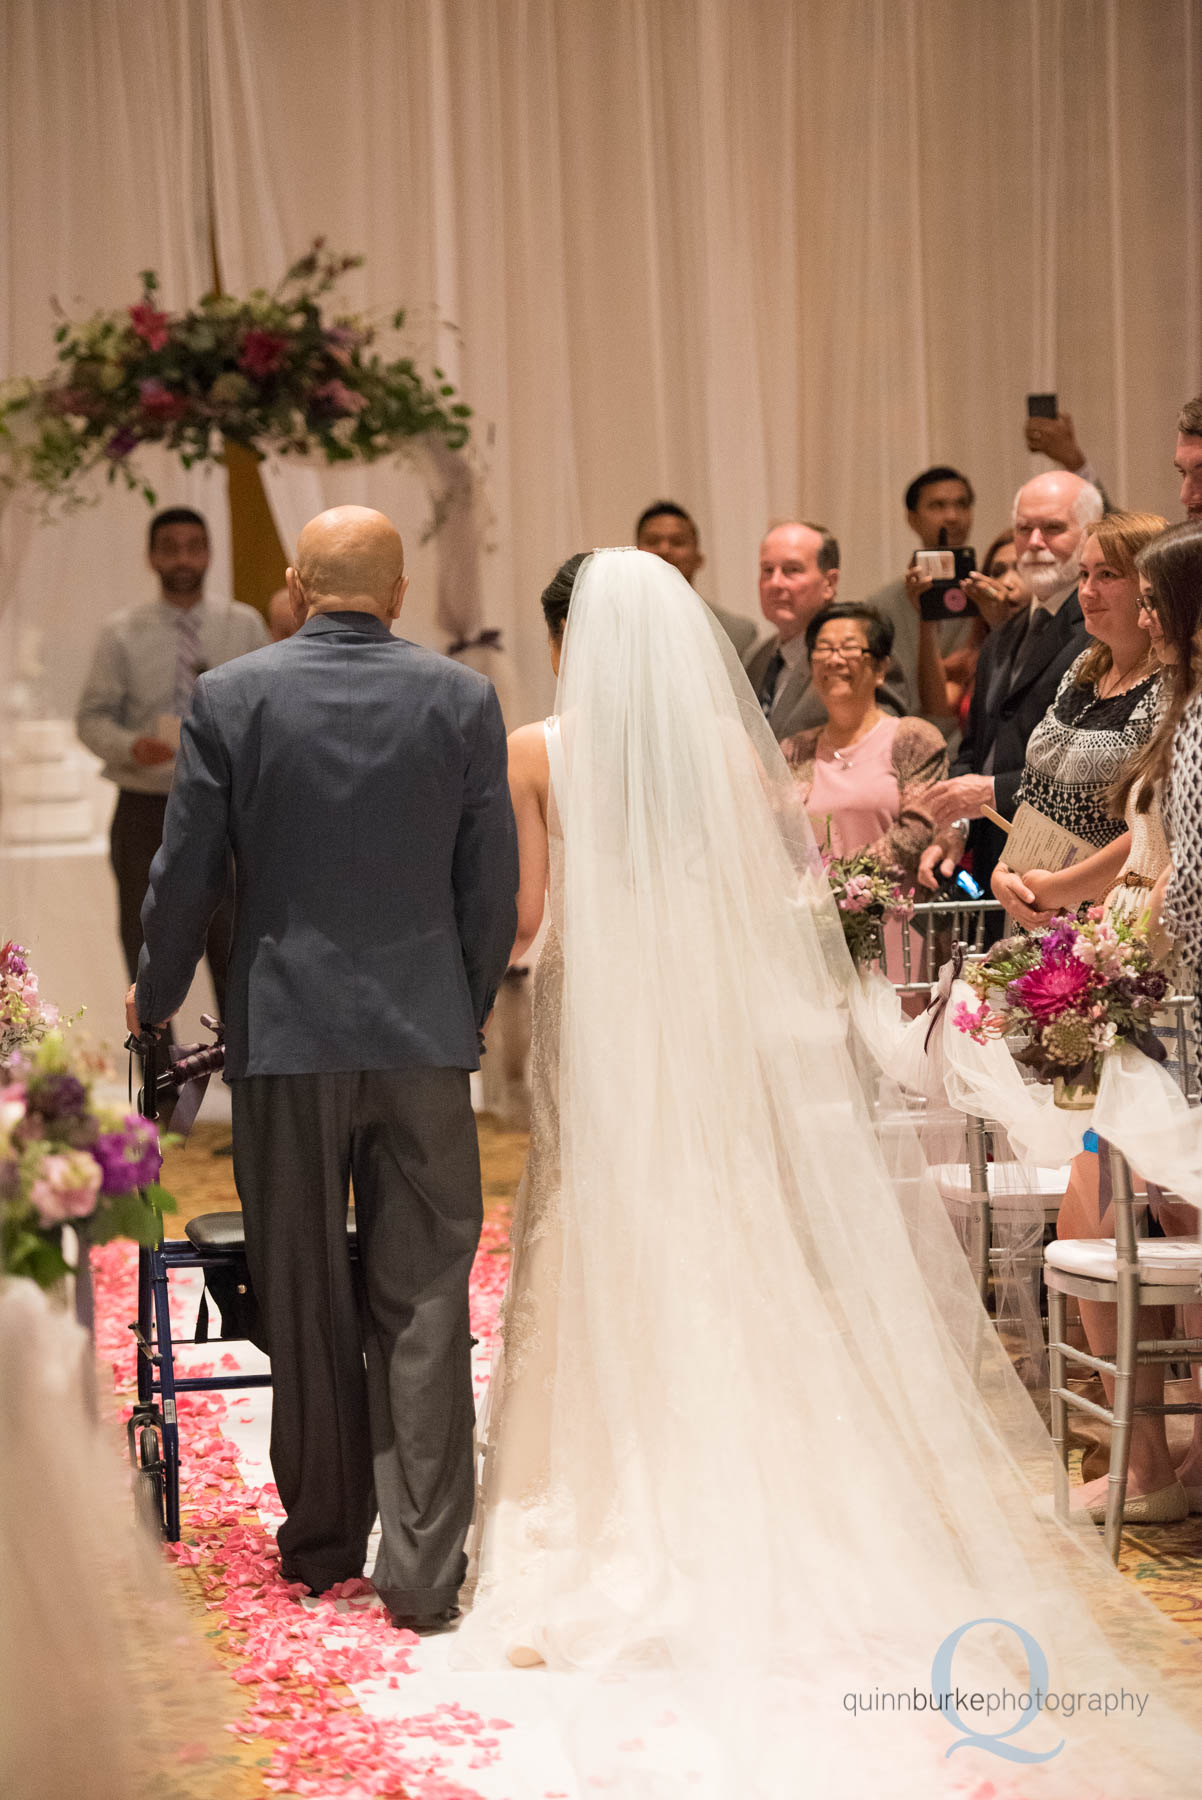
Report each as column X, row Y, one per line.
column 1128, row 1272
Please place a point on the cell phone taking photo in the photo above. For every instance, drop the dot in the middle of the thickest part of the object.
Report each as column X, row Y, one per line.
column 1042, row 406
column 946, row 569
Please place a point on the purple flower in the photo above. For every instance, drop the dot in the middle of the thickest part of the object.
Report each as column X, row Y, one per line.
column 129, row 1158
column 13, row 960
column 56, row 1096
column 120, row 444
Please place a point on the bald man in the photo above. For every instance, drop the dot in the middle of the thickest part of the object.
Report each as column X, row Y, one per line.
column 361, row 784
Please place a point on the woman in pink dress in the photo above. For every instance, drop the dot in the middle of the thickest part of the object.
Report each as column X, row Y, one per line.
column 865, row 773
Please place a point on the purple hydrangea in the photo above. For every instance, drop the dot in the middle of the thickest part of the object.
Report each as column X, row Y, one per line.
column 129, row 1158
column 57, row 1097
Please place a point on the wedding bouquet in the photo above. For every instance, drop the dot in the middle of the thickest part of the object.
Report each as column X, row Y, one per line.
column 866, row 893
column 25, row 1017
column 1080, row 989
column 64, row 1161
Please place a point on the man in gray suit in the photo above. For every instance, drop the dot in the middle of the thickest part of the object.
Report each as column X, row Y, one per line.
column 360, row 784
column 799, row 575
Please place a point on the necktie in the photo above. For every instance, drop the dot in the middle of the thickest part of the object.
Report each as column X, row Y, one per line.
column 1031, row 653
column 776, row 663
column 187, row 659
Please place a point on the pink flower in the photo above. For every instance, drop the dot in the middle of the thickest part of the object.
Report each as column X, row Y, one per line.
column 150, row 324
column 857, row 895
column 335, row 396
column 974, row 1021
column 262, row 352
column 159, row 402
column 66, row 1187
column 1052, row 989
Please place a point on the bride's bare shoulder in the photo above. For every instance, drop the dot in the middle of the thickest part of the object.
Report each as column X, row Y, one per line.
column 528, row 767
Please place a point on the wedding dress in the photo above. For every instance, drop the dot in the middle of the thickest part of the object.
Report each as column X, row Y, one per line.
column 751, row 1442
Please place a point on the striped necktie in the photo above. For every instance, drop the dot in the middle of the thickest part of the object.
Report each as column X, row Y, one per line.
column 187, row 658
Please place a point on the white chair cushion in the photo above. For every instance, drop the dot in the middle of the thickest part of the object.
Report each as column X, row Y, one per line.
column 1163, row 1262
column 1042, row 1187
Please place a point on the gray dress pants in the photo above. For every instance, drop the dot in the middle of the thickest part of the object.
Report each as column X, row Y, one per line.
column 372, row 1393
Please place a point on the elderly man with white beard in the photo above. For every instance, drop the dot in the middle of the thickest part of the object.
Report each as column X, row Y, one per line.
column 1017, row 676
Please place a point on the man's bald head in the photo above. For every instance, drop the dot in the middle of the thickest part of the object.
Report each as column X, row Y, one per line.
column 349, row 559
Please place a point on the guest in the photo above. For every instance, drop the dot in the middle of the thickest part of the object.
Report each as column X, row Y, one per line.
column 139, row 687
column 1188, row 460
column 945, row 683
column 939, row 511
column 1105, row 709
column 280, row 620
column 865, row 773
column 1170, row 579
column 1018, row 674
column 668, row 531
column 799, row 576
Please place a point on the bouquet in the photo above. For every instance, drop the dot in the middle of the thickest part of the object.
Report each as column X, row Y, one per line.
column 65, row 1161
column 1080, row 989
column 25, row 1017
column 866, row 893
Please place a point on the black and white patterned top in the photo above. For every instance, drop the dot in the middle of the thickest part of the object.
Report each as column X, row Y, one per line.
column 1183, row 816
column 1078, row 748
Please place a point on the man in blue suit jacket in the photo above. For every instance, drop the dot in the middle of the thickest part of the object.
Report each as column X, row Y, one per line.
column 360, row 785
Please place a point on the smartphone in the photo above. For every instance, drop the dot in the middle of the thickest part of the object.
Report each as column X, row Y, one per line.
column 945, row 598
column 960, row 886
column 1042, row 406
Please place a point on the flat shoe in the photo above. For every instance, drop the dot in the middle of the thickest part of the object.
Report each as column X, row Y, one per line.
column 1167, row 1506
column 1194, row 1496
column 524, row 1656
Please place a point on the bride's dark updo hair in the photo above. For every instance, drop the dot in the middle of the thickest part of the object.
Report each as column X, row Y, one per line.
column 557, row 594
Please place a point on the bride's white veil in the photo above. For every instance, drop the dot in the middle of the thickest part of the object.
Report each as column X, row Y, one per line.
column 783, row 1438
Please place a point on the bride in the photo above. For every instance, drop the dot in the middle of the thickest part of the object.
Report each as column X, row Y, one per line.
column 749, row 1417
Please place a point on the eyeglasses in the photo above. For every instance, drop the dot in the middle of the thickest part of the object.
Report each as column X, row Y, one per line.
column 849, row 653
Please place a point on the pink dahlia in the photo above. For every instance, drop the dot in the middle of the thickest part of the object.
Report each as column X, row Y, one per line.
column 1052, row 989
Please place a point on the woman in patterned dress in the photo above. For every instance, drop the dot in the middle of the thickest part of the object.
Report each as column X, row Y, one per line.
column 1104, row 712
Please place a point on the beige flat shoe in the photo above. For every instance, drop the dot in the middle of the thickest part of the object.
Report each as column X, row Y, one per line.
column 1167, row 1506
column 524, row 1656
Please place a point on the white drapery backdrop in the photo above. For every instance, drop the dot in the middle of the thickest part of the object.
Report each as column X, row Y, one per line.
column 766, row 256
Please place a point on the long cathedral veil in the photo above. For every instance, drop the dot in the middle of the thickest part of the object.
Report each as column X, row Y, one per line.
column 783, row 1439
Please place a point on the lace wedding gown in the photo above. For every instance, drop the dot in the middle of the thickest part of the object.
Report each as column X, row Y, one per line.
column 751, row 1442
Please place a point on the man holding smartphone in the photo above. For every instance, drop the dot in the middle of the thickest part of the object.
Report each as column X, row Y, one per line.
column 939, row 511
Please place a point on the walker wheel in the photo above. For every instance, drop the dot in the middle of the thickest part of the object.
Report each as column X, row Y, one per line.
column 150, row 1482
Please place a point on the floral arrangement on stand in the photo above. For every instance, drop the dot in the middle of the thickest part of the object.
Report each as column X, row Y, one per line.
column 63, row 1160
column 1075, row 992
column 270, row 372
column 866, row 894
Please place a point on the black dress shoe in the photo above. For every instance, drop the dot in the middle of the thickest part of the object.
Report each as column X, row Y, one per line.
column 427, row 1624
